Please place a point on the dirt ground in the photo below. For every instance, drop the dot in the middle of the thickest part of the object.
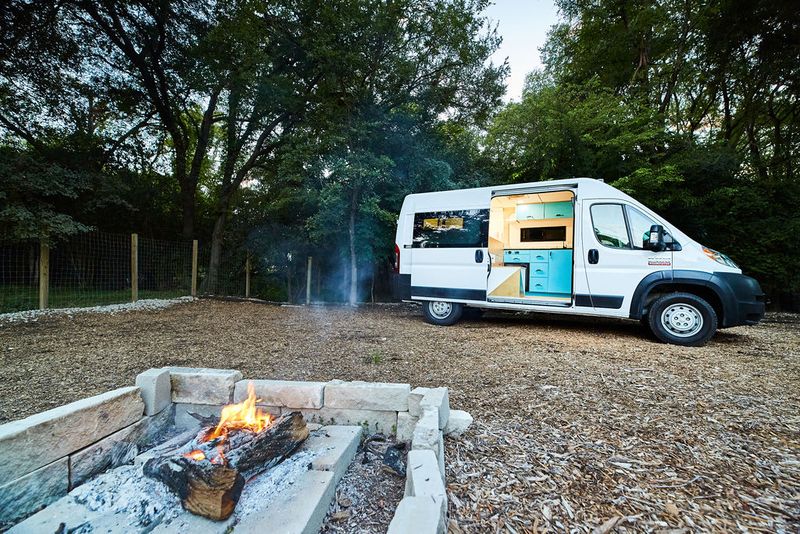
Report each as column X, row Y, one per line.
column 580, row 424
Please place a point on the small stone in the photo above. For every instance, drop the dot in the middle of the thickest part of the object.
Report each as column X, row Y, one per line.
column 672, row 510
column 344, row 502
column 340, row 515
column 458, row 423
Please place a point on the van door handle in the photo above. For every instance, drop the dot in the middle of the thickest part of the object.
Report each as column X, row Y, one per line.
column 594, row 256
column 479, row 256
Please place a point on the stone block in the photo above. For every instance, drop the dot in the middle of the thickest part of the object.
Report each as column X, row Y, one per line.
column 43, row 438
column 288, row 393
column 25, row 495
column 405, row 426
column 371, row 421
column 156, row 390
column 300, row 509
column 119, row 448
column 437, row 398
column 426, row 433
column 418, row 515
column 458, row 423
column 423, row 478
column 203, row 386
column 414, row 400
column 367, row 396
column 440, row 455
column 335, row 447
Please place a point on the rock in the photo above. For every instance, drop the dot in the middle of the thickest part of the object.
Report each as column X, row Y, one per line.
column 458, row 423
column 437, row 398
column 426, row 433
column 367, row 396
column 393, row 459
column 156, row 390
column 414, row 399
column 371, row 421
column 417, row 515
column 38, row 440
column 405, row 426
column 286, row 393
column 23, row 496
column 203, row 386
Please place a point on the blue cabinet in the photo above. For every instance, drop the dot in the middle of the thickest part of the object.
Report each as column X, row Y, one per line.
column 560, row 278
column 549, row 270
column 557, row 210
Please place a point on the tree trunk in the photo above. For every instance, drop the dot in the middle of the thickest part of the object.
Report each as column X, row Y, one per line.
column 216, row 253
column 353, row 300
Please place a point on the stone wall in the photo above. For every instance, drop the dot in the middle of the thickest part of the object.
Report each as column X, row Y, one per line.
column 46, row 455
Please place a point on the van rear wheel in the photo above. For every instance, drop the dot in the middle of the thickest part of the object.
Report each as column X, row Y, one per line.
column 441, row 312
column 682, row 319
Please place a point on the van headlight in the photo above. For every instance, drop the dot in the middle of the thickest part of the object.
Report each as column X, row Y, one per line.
column 719, row 257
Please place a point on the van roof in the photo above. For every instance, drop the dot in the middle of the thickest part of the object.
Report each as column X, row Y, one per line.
column 586, row 187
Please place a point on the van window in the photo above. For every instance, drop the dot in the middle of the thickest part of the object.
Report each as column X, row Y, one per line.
column 451, row 229
column 640, row 227
column 609, row 225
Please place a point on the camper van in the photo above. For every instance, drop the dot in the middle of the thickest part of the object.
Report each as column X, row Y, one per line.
column 574, row 246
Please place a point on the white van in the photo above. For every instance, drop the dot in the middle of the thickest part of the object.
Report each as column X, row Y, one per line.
column 574, row 246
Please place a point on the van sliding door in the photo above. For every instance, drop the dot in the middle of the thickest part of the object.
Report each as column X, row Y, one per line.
column 450, row 257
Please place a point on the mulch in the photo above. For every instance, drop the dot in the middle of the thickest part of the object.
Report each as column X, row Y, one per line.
column 580, row 424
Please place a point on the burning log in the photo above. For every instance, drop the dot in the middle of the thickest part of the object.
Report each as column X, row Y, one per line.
column 209, row 472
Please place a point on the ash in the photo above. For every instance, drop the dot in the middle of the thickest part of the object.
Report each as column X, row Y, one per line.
column 261, row 489
column 367, row 495
column 125, row 491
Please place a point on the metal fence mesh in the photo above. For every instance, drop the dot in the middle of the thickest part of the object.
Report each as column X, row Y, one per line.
column 93, row 269
column 19, row 276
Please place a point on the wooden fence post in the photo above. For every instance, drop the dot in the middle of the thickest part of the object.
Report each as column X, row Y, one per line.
column 194, row 268
column 44, row 275
column 247, row 277
column 134, row 267
column 308, row 280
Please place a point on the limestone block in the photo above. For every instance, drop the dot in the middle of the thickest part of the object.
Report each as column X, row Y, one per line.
column 119, row 448
column 367, row 396
column 38, row 440
column 288, row 393
column 414, row 400
column 405, row 426
column 23, row 496
column 426, row 433
column 371, row 421
column 417, row 515
column 335, row 448
column 156, row 390
column 203, row 386
column 422, row 475
column 437, row 398
column 458, row 423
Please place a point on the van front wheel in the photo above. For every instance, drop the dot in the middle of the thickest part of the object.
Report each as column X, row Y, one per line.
column 682, row 319
column 441, row 312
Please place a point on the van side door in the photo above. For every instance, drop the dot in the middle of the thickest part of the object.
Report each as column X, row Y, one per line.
column 615, row 258
column 450, row 255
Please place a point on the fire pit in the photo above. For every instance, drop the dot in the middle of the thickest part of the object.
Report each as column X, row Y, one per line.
column 202, row 450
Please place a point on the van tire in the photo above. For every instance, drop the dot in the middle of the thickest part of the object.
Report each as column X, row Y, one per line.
column 682, row 319
column 442, row 313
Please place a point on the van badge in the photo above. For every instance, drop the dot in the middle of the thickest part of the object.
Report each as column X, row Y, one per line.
column 659, row 261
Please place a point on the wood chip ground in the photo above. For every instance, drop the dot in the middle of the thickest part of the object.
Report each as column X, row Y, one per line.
column 580, row 425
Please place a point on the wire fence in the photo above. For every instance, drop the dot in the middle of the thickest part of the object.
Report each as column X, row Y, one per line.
column 92, row 269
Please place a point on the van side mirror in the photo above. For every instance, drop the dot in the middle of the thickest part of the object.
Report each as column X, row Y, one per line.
column 655, row 241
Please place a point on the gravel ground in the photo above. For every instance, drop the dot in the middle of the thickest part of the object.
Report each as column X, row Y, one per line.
column 580, row 424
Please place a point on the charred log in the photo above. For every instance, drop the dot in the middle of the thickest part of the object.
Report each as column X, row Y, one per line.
column 209, row 475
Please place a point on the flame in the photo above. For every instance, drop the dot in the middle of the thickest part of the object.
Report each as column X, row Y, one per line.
column 195, row 455
column 242, row 416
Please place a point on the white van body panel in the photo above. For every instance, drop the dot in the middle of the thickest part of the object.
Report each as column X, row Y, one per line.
column 615, row 276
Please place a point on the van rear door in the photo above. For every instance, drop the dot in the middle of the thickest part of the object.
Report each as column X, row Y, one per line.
column 449, row 255
column 614, row 255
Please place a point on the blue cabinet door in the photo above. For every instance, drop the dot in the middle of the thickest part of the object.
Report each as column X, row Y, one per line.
column 559, row 278
column 530, row 211
column 557, row 210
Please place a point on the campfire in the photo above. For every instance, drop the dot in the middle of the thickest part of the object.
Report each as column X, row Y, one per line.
column 209, row 472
